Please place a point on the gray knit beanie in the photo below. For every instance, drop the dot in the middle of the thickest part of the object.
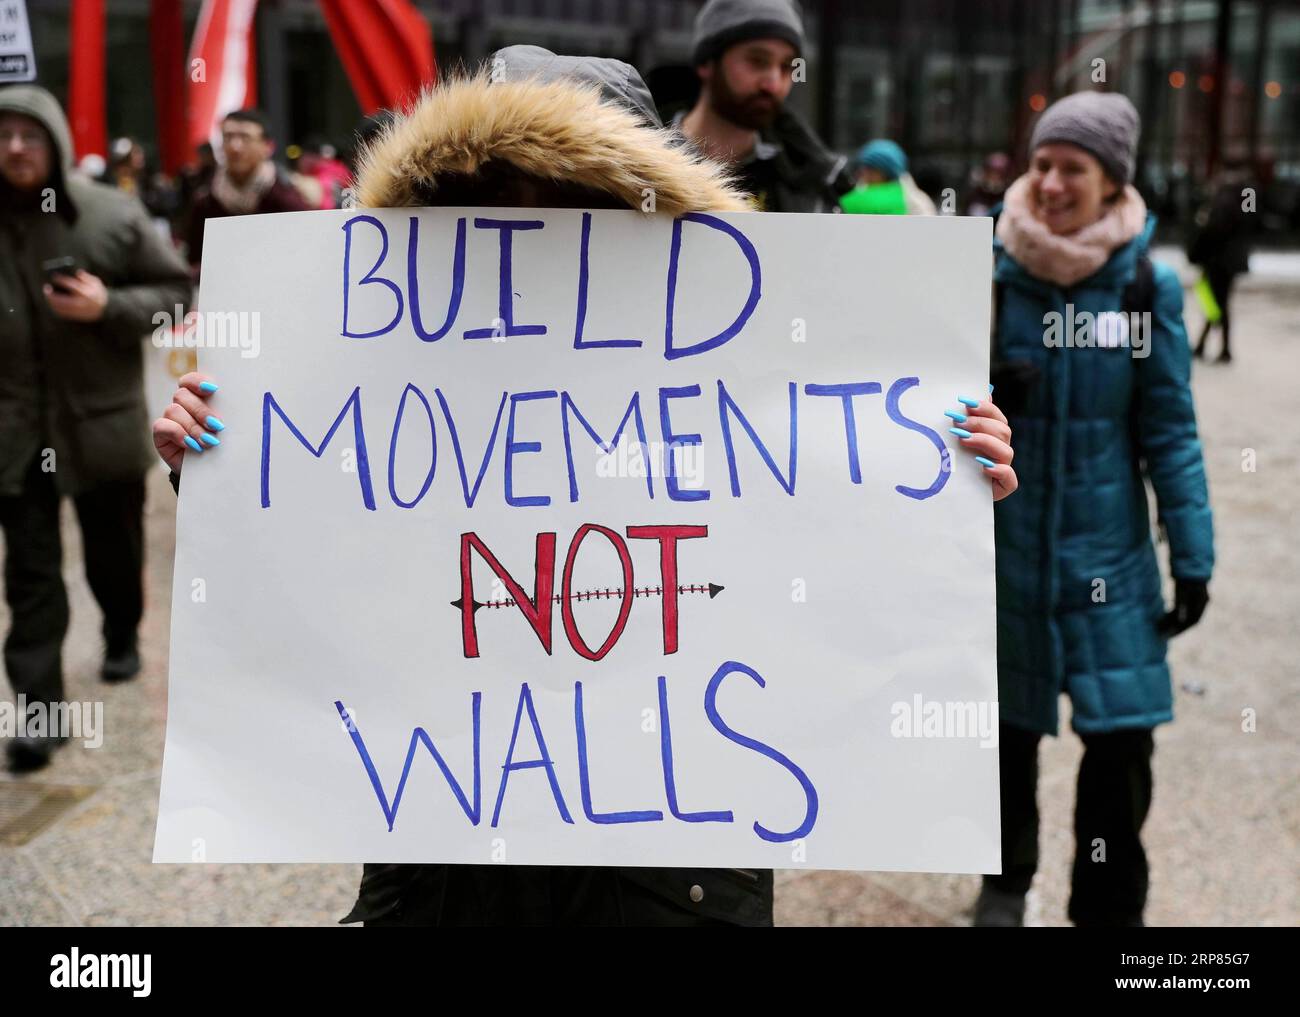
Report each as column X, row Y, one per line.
column 723, row 23
column 1103, row 123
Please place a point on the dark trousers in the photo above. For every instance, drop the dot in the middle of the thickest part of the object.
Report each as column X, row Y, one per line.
column 1221, row 286
column 1109, row 883
column 553, row 895
column 111, row 517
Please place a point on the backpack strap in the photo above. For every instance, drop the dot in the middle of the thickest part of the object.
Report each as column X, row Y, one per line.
column 1140, row 294
column 998, row 286
column 1140, row 297
column 995, row 321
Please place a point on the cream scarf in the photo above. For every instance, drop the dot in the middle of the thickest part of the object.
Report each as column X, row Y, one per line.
column 1067, row 259
column 241, row 199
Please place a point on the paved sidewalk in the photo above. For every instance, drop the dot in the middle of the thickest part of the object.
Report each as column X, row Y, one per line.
column 1223, row 835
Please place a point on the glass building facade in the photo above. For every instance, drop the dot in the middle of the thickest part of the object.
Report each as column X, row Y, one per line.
column 1217, row 81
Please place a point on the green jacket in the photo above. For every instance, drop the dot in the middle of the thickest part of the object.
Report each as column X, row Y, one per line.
column 77, row 389
column 886, row 198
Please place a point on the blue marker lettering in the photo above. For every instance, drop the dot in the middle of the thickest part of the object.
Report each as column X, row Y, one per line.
column 810, row 793
column 506, row 295
column 514, row 448
column 368, row 278
column 676, row 441
column 418, row 736
column 359, row 437
column 608, row 447
column 727, row 406
column 896, row 415
column 846, row 394
column 672, row 351
column 584, row 776
column 544, row 761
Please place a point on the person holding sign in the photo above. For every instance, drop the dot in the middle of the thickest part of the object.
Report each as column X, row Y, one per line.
column 538, row 130
column 1089, row 335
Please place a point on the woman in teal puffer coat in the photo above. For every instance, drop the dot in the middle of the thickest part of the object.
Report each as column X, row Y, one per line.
column 1097, row 393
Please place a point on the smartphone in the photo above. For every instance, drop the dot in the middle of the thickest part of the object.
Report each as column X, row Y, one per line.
column 56, row 267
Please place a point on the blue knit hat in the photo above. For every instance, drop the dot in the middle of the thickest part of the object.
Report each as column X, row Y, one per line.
column 884, row 155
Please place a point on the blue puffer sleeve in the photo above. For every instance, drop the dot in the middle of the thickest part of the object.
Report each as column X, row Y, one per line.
column 1167, row 439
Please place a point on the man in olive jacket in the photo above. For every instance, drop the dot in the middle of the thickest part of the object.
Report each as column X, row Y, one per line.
column 82, row 273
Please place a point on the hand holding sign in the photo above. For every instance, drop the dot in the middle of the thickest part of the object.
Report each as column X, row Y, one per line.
column 179, row 427
column 985, row 433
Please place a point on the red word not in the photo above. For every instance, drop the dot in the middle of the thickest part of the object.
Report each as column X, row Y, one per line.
column 538, row 608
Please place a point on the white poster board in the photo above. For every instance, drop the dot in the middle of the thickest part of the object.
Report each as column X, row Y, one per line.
column 17, row 57
column 798, row 671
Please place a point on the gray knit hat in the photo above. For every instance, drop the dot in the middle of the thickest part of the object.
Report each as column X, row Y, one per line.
column 1103, row 123
column 723, row 23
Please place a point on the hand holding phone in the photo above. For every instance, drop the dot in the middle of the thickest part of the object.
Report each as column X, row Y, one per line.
column 73, row 293
column 56, row 269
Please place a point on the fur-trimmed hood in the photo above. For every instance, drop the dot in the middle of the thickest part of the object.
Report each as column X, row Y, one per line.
column 559, row 130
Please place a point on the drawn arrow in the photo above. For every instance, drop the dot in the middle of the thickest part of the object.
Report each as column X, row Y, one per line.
column 712, row 589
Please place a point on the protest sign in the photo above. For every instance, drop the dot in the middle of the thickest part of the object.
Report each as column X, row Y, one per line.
column 587, row 538
column 17, row 57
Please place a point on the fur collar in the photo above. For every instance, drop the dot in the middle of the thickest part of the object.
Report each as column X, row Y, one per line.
column 557, row 130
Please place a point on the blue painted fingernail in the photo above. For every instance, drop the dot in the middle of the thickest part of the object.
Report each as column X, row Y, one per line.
column 193, row 444
column 208, row 386
column 986, row 463
column 959, row 417
column 209, row 439
column 960, row 432
column 990, row 389
column 972, row 403
column 216, row 424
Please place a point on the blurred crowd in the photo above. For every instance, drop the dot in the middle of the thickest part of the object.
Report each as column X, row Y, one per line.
column 251, row 175
column 876, row 179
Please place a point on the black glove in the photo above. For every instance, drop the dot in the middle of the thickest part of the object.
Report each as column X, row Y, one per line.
column 1190, row 598
column 1012, row 381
